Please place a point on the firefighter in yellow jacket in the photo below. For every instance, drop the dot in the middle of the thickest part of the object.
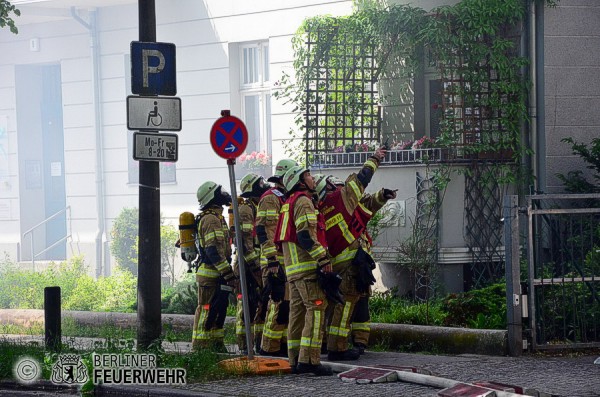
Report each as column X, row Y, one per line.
column 275, row 298
column 252, row 187
column 302, row 242
column 215, row 276
column 344, row 223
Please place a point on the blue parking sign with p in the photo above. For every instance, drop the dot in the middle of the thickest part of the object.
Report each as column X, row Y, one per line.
column 153, row 69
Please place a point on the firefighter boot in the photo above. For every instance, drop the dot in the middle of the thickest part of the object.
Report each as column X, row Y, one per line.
column 316, row 369
column 347, row 355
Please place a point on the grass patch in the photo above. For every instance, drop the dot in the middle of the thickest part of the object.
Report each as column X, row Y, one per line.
column 391, row 309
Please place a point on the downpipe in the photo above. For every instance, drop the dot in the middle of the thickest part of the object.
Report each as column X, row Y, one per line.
column 92, row 28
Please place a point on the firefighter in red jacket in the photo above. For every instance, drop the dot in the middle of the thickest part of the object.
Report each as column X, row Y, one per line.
column 215, row 276
column 361, row 319
column 275, row 298
column 345, row 221
column 302, row 241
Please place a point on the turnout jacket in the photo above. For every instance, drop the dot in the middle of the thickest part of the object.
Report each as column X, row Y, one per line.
column 299, row 214
column 346, row 217
column 267, row 216
column 247, row 212
column 213, row 238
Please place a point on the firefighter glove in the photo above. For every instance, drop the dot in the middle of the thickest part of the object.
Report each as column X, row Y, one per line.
column 276, row 282
column 330, row 284
column 324, row 265
column 389, row 193
column 364, row 264
column 231, row 280
column 272, row 262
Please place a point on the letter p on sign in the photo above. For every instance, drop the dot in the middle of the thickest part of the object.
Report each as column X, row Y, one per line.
column 153, row 69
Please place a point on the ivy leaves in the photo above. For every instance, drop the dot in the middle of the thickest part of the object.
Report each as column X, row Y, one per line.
column 5, row 19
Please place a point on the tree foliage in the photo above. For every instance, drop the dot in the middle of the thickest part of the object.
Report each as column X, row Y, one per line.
column 125, row 242
column 575, row 181
column 6, row 9
column 124, row 239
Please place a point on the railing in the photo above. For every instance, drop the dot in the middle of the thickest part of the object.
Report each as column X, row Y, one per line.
column 457, row 154
column 31, row 231
column 356, row 159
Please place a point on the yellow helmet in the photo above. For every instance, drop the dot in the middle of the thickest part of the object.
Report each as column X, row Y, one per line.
column 247, row 183
column 334, row 180
column 321, row 185
column 206, row 192
column 281, row 168
column 292, row 177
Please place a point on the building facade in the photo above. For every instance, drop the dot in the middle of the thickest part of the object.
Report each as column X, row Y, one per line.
column 66, row 164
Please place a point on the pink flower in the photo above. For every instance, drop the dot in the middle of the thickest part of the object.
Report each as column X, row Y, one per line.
column 254, row 160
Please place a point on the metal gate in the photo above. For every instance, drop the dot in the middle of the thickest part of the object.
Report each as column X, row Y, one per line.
column 563, row 270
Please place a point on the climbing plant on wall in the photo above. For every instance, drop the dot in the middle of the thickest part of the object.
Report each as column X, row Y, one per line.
column 473, row 46
column 6, row 9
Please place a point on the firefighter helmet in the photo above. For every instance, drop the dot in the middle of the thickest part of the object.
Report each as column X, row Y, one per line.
column 281, row 168
column 206, row 192
column 334, row 180
column 292, row 177
column 321, row 185
column 247, row 183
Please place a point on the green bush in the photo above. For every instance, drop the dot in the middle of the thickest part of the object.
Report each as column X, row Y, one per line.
column 116, row 293
column 24, row 289
column 124, row 234
column 125, row 240
column 483, row 308
column 182, row 298
column 386, row 307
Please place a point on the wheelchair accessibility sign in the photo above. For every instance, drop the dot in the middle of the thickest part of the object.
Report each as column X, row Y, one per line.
column 153, row 113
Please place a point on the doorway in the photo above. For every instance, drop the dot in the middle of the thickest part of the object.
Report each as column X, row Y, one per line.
column 40, row 138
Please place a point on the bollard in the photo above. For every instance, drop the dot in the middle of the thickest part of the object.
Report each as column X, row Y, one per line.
column 52, row 318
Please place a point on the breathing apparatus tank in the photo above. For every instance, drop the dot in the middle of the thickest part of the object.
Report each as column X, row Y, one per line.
column 187, row 238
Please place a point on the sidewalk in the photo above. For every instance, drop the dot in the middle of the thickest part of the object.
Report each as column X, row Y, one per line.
column 568, row 376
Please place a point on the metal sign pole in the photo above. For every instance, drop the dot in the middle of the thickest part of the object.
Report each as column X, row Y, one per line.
column 240, row 258
column 149, row 270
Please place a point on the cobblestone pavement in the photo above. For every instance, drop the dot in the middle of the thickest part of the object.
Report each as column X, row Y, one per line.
column 556, row 376
column 306, row 385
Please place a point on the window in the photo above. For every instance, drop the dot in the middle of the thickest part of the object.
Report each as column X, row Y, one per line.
column 255, row 96
column 167, row 170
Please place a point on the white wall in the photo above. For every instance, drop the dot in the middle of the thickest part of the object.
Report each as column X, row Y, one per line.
column 202, row 32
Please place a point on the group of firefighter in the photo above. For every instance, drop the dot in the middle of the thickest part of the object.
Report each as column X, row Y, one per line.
column 306, row 253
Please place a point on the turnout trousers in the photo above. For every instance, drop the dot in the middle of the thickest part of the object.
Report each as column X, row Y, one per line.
column 277, row 316
column 361, row 322
column 210, row 314
column 341, row 318
column 307, row 321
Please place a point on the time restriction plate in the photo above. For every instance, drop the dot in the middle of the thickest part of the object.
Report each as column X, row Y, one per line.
column 155, row 146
